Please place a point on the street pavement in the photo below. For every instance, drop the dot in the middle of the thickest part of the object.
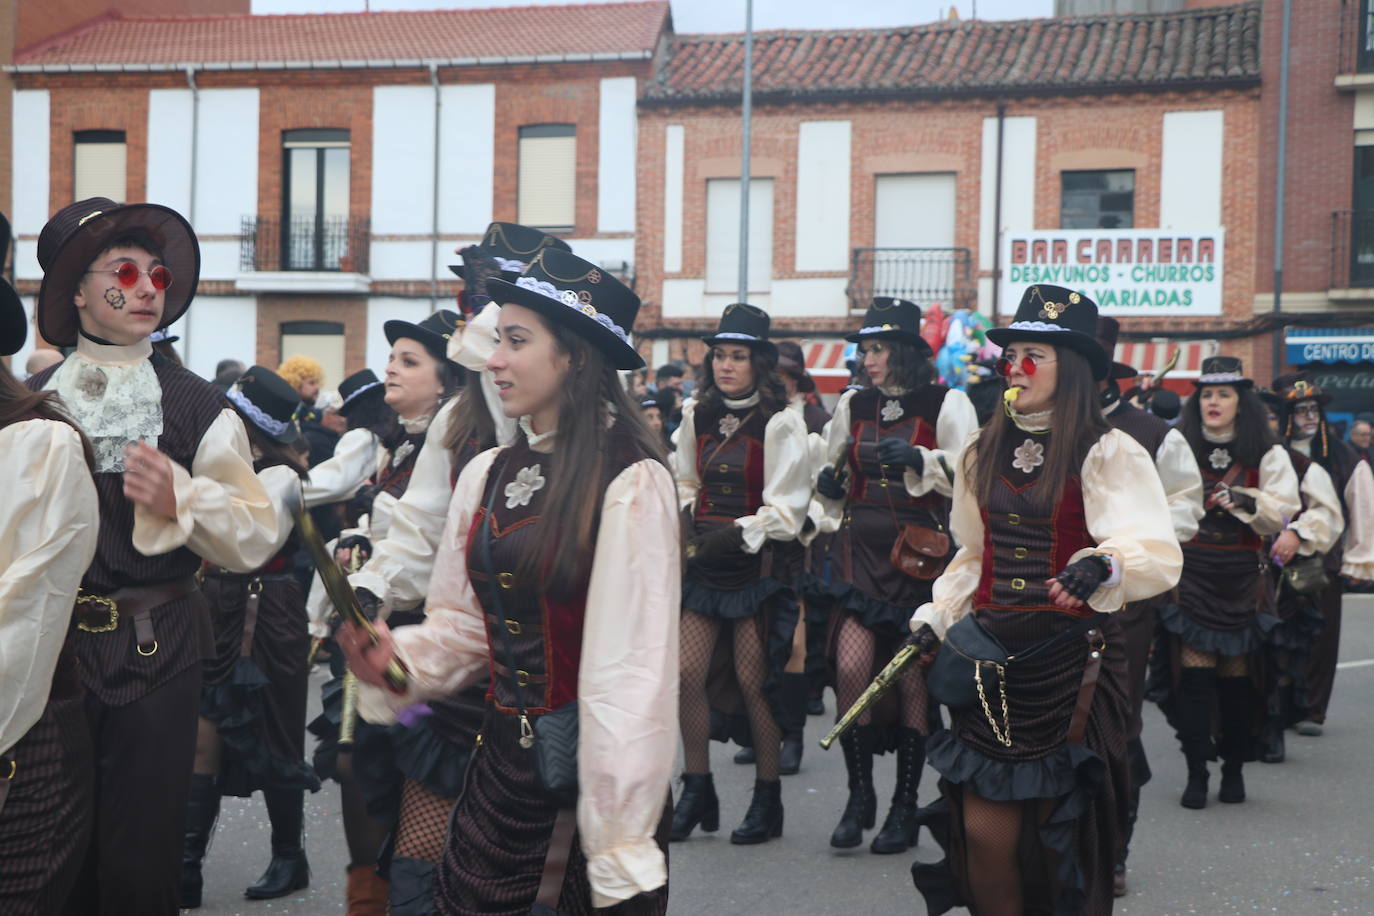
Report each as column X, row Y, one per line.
column 1301, row 845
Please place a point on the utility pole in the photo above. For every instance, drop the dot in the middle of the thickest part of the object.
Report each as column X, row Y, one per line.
column 744, row 165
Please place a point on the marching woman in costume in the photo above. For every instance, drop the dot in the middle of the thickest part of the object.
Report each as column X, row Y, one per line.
column 743, row 471
column 885, row 479
column 49, row 521
column 252, row 708
column 1250, row 492
column 1059, row 519
column 551, row 576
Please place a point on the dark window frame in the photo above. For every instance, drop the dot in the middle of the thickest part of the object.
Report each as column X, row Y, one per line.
column 320, row 139
column 1080, row 217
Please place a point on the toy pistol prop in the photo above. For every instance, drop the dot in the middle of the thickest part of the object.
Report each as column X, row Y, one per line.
column 341, row 593
column 891, row 673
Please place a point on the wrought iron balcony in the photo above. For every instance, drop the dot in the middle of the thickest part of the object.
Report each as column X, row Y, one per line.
column 336, row 243
column 926, row 276
column 1352, row 249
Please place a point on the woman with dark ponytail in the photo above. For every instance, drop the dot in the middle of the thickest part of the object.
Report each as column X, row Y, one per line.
column 551, row 575
column 743, row 472
column 49, row 519
column 1250, row 491
column 1060, row 519
column 889, row 455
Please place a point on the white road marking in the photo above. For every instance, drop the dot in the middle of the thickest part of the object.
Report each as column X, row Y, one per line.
column 1362, row 663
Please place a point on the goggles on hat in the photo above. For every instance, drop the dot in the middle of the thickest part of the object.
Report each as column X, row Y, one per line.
column 128, row 273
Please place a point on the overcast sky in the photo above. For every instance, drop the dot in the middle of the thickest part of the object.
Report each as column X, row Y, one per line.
column 726, row 15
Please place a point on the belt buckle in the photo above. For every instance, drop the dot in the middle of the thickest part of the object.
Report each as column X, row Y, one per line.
column 108, row 604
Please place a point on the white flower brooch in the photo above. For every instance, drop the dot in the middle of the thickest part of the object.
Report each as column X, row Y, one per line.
column 892, row 411
column 527, row 482
column 402, row 453
column 1220, row 459
column 729, row 424
column 1029, row 455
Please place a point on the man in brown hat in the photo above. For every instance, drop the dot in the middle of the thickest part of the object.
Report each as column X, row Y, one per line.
column 175, row 485
column 1305, row 430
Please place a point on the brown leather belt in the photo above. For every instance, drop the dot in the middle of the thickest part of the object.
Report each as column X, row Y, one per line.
column 1087, row 687
column 101, row 613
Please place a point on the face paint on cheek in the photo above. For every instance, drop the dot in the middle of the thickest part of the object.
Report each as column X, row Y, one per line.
column 115, row 298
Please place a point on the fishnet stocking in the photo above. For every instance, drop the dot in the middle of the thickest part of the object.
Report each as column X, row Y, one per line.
column 751, row 669
column 855, row 645
column 423, row 826
column 1226, row 665
column 698, row 639
column 992, row 835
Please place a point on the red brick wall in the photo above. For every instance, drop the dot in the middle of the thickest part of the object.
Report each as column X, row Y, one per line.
column 282, row 108
column 96, row 109
column 352, row 311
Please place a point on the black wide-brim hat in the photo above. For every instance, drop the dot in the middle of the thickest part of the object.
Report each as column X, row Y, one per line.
column 1223, row 370
column 581, row 297
column 354, row 389
column 890, row 318
column 513, row 246
column 742, row 323
column 433, row 333
column 80, row 231
column 1295, row 387
column 1108, row 330
column 269, row 402
column 1057, row 316
column 14, row 322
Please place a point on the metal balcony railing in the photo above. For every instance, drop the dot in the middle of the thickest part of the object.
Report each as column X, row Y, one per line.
column 926, row 276
column 1352, row 249
column 308, row 243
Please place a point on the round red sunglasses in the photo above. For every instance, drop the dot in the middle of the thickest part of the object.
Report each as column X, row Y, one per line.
column 128, row 273
column 1004, row 366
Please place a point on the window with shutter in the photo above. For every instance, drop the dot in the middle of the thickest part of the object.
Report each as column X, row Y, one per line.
column 722, row 235
column 99, row 165
column 547, row 194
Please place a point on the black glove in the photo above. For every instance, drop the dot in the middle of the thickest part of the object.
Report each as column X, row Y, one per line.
column 363, row 545
column 832, row 485
column 363, row 499
column 715, row 543
column 1243, row 501
column 924, row 638
column 370, row 603
column 1082, row 577
column 894, row 451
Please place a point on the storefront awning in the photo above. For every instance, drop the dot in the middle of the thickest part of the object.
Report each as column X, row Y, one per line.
column 1150, row 356
column 1329, row 345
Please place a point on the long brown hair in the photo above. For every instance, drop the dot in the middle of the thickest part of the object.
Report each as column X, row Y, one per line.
column 587, row 438
column 471, row 420
column 767, row 381
column 18, row 403
column 1253, row 437
column 1078, row 424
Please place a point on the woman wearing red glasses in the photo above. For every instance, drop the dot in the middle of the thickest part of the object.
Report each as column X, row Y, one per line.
column 1059, row 519
column 890, row 450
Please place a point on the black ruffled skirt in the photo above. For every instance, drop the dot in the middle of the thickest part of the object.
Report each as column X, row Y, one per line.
column 258, row 701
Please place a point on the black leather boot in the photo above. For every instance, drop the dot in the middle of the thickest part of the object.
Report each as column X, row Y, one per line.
column 1275, row 751
column 698, row 804
column 1197, row 695
column 745, row 755
column 900, row 828
column 763, row 821
column 794, row 688
column 861, row 810
column 288, row 871
column 201, row 811
column 1235, row 696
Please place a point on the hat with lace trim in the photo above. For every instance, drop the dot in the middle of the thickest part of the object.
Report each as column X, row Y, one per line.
column 79, row 232
column 579, row 296
column 1223, row 370
column 1058, row 316
column 890, row 318
column 742, row 323
column 356, row 386
column 268, row 401
column 1295, row 387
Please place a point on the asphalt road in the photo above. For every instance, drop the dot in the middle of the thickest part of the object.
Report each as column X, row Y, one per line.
column 1302, row 845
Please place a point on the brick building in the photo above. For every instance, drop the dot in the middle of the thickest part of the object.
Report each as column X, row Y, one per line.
column 876, row 153
column 332, row 163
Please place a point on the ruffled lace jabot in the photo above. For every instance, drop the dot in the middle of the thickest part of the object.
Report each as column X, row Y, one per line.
column 113, row 393
column 417, row 425
column 1037, row 422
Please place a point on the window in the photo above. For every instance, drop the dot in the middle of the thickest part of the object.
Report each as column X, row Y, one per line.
column 722, row 235
column 315, row 210
column 1365, row 58
column 1098, row 200
column 321, row 340
column 99, row 160
column 548, row 176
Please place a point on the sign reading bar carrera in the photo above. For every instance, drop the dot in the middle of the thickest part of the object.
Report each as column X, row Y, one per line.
column 1125, row 271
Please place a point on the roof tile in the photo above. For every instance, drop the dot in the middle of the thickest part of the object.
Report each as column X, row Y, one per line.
column 1081, row 52
column 615, row 28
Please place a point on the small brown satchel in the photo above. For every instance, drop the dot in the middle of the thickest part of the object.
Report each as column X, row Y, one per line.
column 919, row 552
